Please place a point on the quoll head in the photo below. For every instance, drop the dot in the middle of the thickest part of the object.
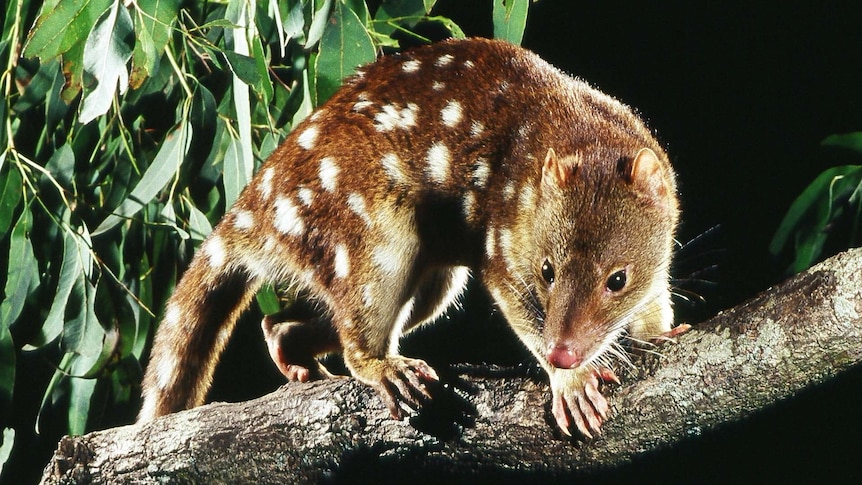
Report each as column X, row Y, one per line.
column 605, row 226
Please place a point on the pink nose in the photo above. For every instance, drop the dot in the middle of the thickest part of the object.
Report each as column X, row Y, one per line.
column 563, row 357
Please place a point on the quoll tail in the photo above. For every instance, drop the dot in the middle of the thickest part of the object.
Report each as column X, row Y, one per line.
column 199, row 319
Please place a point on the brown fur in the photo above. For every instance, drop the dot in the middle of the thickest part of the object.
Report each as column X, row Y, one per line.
column 465, row 154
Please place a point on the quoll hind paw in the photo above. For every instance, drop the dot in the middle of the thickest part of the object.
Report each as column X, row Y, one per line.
column 577, row 399
column 401, row 383
column 301, row 373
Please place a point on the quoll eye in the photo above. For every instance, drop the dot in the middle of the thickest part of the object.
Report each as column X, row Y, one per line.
column 548, row 271
column 617, row 281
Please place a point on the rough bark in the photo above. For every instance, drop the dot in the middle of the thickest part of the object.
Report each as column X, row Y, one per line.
column 796, row 335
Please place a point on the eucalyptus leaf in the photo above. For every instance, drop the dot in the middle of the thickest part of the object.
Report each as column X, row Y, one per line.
column 160, row 172
column 293, row 22
column 109, row 46
column 390, row 13
column 510, row 19
column 7, row 369
column 318, row 24
column 61, row 165
column 80, row 397
column 267, row 299
column 22, row 275
column 345, row 45
column 235, row 177
column 70, row 270
column 153, row 24
column 199, row 225
column 11, row 189
column 813, row 211
column 850, row 141
column 59, row 28
column 244, row 67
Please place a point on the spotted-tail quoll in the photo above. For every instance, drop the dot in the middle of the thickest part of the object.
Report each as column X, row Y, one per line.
column 458, row 158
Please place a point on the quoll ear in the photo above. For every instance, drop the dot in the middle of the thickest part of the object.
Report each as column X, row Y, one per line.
column 556, row 172
column 646, row 174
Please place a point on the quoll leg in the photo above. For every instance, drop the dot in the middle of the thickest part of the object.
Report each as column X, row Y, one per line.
column 295, row 338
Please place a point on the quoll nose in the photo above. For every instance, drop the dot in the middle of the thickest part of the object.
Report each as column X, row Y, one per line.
column 563, row 357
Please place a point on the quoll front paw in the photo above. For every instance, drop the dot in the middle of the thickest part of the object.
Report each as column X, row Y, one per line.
column 576, row 397
column 400, row 381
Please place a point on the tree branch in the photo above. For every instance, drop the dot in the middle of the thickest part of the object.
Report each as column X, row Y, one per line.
column 798, row 334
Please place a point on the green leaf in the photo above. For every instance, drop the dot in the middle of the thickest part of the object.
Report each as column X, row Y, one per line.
column 7, row 371
column 80, row 397
column 263, row 85
column 244, row 67
column 345, row 45
column 318, row 24
column 22, row 276
column 267, row 299
column 510, row 19
column 235, row 177
column 11, row 188
column 61, row 27
column 153, row 24
column 199, row 225
column 61, row 165
column 160, row 172
column 293, row 22
column 109, row 46
column 850, row 141
column 390, row 12
column 75, row 257
column 809, row 217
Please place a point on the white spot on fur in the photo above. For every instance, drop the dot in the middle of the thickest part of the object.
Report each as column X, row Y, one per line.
column 342, row 261
column 438, row 163
column 361, row 105
column 490, row 243
column 507, row 248
column 307, row 138
column 481, row 172
column 166, row 370
column 392, row 166
column 316, row 115
column 306, row 196
column 367, row 295
column 451, row 114
column 411, row 66
column 388, row 259
column 173, row 314
column 391, row 117
column 527, row 199
column 476, row 128
column 357, row 204
column 243, row 219
column 265, row 186
column 444, row 60
column 328, row 173
column 287, row 219
column 509, row 190
column 469, row 64
column 215, row 251
column 468, row 204
column 438, row 86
